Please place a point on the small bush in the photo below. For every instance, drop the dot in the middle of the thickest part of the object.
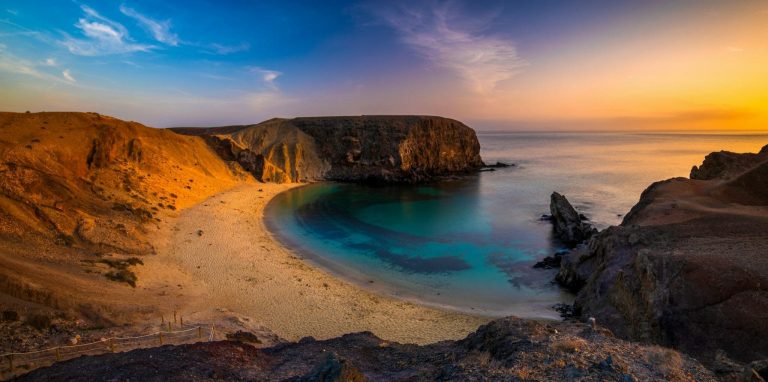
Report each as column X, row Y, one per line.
column 568, row 345
column 122, row 275
column 666, row 361
column 122, row 264
column 134, row 261
column 10, row 315
column 39, row 321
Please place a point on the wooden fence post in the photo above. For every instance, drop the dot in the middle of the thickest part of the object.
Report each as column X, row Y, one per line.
column 162, row 320
column 161, row 338
column 199, row 332
column 10, row 362
column 174, row 316
column 58, row 355
column 181, row 321
column 169, row 326
column 111, row 345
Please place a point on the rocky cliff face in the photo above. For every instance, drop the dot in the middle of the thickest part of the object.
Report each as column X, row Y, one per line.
column 688, row 266
column 360, row 148
column 80, row 194
column 508, row 349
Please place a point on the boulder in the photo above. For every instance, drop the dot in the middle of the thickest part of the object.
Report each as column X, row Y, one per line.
column 726, row 165
column 567, row 224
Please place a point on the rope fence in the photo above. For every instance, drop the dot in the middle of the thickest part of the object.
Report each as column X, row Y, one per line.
column 18, row 363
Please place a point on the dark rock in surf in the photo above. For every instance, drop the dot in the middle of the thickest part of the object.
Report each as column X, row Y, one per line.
column 499, row 165
column 568, row 225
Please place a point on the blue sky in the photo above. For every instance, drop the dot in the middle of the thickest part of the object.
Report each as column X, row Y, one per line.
column 493, row 63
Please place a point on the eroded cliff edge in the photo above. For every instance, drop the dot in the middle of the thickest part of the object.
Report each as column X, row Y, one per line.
column 688, row 266
column 354, row 148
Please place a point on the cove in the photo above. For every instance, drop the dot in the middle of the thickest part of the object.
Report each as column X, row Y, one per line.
column 452, row 244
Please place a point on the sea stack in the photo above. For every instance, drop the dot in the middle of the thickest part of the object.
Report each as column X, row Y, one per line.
column 567, row 223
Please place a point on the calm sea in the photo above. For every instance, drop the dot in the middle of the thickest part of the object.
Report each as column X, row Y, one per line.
column 470, row 244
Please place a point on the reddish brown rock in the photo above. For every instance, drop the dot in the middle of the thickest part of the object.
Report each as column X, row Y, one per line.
column 688, row 266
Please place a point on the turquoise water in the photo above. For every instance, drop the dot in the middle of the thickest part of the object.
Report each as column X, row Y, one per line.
column 470, row 244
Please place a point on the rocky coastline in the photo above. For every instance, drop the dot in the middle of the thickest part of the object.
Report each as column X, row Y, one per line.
column 687, row 268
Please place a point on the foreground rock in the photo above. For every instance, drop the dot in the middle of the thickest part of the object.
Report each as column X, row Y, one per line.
column 507, row 349
column 355, row 148
column 567, row 224
column 688, row 266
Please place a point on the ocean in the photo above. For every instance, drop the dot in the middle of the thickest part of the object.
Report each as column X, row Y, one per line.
column 470, row 244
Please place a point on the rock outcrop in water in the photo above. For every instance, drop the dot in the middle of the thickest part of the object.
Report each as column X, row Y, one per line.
column 567, row 224
column 508, row 349
column 688, row 266
column 359, row 148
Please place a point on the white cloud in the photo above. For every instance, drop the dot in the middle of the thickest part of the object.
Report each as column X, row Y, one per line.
column 479, row 59
column 102, row 36
column 68, row 76
column 13, row 64
column 267, row 76
column 51, row 62
column 160, row 30
column 12, row 11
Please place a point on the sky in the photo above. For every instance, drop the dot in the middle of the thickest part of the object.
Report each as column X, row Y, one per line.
column 496, row 65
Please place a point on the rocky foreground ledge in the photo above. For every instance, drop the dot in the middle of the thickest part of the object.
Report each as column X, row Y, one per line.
column 353, row 148
column 507, row 349
column 688, row 266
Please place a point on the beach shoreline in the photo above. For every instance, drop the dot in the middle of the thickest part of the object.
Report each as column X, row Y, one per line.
column 235, row 265
column 405, row 291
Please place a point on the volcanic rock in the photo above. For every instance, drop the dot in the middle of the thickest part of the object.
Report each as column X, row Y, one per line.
column 508, row 349
column 357, row 148
column 567, row 224
column 688, row 266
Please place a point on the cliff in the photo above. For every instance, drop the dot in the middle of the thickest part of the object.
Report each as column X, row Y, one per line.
column 508, row 349
column 80, row 193
column 357, row 148
column 688, row 266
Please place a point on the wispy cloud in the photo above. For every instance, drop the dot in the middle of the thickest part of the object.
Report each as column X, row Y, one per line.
column 160, row 30
column 12, row 11
column 50, row 62
column 13, row 64
column 480, row 59
column 102, row 36
column 267, row 76
column 221, row 49
column 68, row 76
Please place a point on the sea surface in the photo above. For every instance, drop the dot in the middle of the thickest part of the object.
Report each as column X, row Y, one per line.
column 470, row 244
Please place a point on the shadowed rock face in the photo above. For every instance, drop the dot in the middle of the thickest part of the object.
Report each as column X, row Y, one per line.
column 567, row 223
column 360, row 148
column 688, row 266
column 508, row 349
column 725, row 164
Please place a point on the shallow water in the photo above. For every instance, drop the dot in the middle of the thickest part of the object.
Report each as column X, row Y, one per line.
column 470, row 244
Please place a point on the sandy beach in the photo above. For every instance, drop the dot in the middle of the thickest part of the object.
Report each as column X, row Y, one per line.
column 226, row 262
